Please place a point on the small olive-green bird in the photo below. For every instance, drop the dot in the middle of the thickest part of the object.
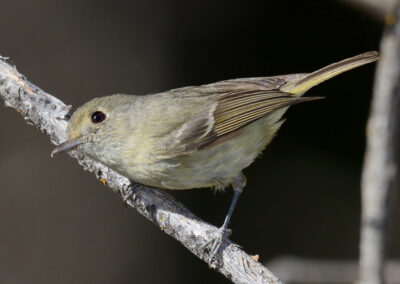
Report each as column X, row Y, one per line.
column 193, row 137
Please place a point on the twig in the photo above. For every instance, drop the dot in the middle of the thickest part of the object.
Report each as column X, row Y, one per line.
column 49, row 114
column 304, row 270
column 380, row 165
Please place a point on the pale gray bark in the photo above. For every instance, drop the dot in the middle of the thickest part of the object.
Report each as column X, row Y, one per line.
column 293, row 269
column 380, row 165
column 48, row 114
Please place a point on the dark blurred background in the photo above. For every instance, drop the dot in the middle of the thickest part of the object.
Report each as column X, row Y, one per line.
column 60, row 225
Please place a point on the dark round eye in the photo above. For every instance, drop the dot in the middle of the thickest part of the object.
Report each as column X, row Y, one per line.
column 98, row 117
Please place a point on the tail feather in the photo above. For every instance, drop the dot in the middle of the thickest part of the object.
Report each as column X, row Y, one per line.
column 300, row 86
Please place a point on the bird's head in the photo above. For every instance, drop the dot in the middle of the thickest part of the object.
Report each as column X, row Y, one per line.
column 93, row 123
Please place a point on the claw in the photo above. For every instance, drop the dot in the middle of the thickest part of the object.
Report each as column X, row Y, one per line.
column 126, row 195
column 215, row 243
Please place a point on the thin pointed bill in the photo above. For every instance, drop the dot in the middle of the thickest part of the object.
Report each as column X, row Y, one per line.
column 69, row 145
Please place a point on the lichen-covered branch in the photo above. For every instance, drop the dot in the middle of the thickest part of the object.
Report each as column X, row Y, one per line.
column 380, row 165
column 50, row 115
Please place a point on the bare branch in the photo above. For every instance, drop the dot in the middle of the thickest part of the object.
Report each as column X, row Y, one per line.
column 380, row 165
column 49, row 115
column 303, row 270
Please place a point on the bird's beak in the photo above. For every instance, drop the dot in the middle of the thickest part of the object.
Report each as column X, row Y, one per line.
column 69, row 145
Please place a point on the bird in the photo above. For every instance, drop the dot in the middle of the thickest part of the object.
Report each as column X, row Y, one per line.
column 197, row 136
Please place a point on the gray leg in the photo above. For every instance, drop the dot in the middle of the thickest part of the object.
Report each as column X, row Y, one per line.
column 238, row 185
column 236, row 194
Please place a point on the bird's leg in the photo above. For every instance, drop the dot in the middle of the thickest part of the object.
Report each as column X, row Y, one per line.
column 238, row 185
column 126, row 195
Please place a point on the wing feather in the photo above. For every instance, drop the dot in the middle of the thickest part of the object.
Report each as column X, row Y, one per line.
column 233, row 105
column 234, row 114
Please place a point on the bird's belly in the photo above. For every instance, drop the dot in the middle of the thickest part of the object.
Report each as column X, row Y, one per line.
column 215, row 166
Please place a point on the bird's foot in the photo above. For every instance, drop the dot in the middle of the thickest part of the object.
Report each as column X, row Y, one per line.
column 128, row 194
column 216, row 242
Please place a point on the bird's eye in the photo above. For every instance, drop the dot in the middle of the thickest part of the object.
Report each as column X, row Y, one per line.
column 98, row 117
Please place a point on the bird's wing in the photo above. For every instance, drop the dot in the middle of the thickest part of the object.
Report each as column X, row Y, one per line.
column 236, row 103
column 233, row 105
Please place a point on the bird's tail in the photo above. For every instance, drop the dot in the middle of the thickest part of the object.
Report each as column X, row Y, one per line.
column 302, row 85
